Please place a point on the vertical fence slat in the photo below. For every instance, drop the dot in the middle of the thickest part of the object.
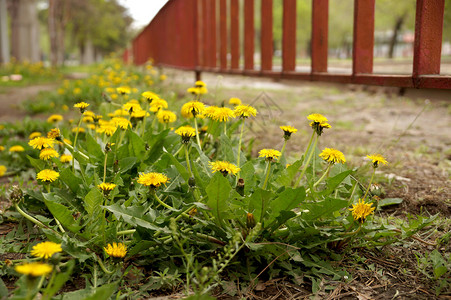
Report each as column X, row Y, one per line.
column 223, row 33
column 266, row 48
column 204, row 58
column 289, row 35
column 428, row 37
column 234, row 34
column 363, row 45
column 249, row 33
column 320, row 34
column 213, row 22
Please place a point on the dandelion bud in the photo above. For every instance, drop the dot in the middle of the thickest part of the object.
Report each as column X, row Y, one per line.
column 240, row 187
column 16, row 194
column 147, row 147
column 192, row 182
column 250, row 221
column 116, row 166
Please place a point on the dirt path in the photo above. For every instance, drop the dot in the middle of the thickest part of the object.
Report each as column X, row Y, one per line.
column 413, row 133
column 12, row 97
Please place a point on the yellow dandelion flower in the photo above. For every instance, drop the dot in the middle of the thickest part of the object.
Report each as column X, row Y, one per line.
column 193, row 90
column 186, row 132
column 166, row 116
column 163, row 77
column 82, row 106
column 361, row 210
column 319, row 123
column 66, row 158
column 152, row 179
column 77, row 91
column 224, row 167
column 150, row 96
column 16, row 148
column 106, row 188
column 88, row 119
column 54, row 118
column 120, row 113
column 192, row 109
column 157, row 105
column 131, row 106
column 2, row 148
column 235, row 101
column 3, row 170
column 116, row 250
column 287, row 131
column 123, row 90
column 54, row 134
column 47, row 175
column 46, row 249
column 48, row 153
column 89, row 113
column 108, row 128
column 79, row 129
column 269, row 154
column 34, row 135
column 35, row 269
column 41, row 142
column 200, row 83
column 376, row 159
column 65, row 107
column 121, row 122
column 332, row 155
column 245, row 111
column 139, row 114
column 222, row 114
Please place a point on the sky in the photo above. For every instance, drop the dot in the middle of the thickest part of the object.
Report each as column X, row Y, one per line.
column 142, row 11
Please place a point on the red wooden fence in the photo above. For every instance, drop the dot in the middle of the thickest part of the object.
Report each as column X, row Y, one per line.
column 204, row 35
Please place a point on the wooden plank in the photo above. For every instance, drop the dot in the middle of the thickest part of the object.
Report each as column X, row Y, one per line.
column 428, row 37
column 363, row 45
column 320, row 31
column 234, row 34
column 289, row 35
column 249, row 34
column 266, row 35
column 223, row 33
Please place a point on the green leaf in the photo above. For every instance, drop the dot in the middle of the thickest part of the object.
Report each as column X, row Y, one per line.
column 439, row 271
column 60, row 279
column 126, row 163
column 258, row 203
column 63, row 214
column 134, row 216
column 38, row 164
column 333, row 182
column 3, row 290
column 93, row 148
column 226, row 149
column 72, row 181
column 218, row 191
column 137, row 147
column 93, row 200
column 323, row 208
column 287, row 200
column 182, row 170
column 389, row 201
column 287, row 176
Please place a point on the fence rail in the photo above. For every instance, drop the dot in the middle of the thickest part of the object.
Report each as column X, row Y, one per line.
column 204, row 36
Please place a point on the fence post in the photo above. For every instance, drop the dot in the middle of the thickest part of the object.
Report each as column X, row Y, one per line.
column 249, row 33
column 319, row 39
column 363, row 44
column 289, row 36
column 428, row 37
column 223, row 34
column 235, row 34
column 266, row 48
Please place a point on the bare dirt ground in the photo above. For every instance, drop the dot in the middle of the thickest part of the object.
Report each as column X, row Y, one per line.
column 411, row 132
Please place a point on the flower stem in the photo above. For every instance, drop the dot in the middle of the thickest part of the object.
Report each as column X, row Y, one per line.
column 75, row 142
column 197, row 133
column 369, row 185
column 59, row 225
column 162, row 203
column 125, row 232
column 268, row 171
column 187, row 161
column 324, row 175
column 104, row 167
column 283, row 149
column 102, row 266
column 143, row 125
column 308, row 161
column 178, row 151
column 33, row 220
column 72, row 148
column 238, row 157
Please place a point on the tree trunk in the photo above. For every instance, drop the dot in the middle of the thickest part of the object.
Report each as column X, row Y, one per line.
column 25, row 30
column 56, row 23
column 4, row 36
column 394, row 39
